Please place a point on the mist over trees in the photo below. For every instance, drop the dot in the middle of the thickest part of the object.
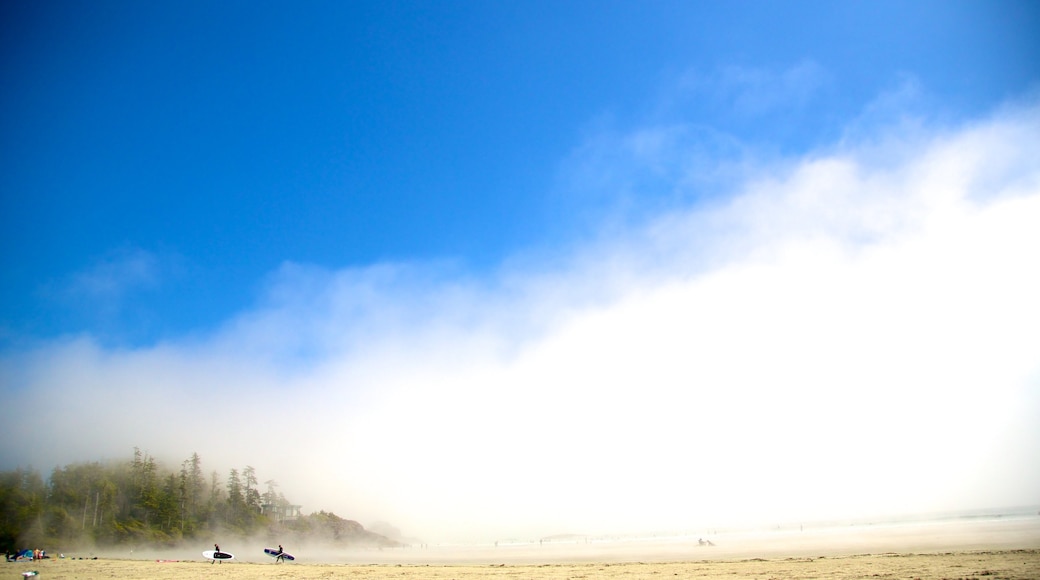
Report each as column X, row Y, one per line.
column 140, row 503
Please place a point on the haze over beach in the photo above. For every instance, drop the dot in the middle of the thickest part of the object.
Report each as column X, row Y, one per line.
column 489, row 271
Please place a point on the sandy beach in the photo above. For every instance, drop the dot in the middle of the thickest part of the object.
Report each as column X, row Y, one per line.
column 1011, row 565
column 999, row 548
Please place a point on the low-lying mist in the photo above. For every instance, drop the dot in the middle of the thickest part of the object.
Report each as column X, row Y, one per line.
column 814, row 540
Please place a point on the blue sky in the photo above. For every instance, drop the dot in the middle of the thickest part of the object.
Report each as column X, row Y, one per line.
column 220, row 141
column 504, row 208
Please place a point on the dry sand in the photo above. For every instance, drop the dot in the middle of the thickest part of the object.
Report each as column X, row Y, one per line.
column 1017, row 564
column 1008, row 549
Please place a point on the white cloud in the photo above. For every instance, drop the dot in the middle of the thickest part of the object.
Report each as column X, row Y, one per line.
column 849, row 333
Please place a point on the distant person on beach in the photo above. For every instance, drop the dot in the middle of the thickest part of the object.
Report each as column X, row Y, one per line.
column 281, row 554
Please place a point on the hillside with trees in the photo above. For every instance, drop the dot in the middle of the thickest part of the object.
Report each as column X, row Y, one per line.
column 141, row 503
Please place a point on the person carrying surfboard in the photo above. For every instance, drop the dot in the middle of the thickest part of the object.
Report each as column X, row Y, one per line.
column 217, row 555
column 279, row 554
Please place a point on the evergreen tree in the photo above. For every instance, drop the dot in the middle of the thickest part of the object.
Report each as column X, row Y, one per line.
column 22, row 497
column 235, row 499
column 194, row 484
column 251, row 493
column 215, row 504
column 135, row 501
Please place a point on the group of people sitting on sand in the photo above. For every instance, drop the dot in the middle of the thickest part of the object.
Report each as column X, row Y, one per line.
column 34, row 554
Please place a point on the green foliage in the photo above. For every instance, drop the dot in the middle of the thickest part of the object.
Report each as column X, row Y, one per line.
column 22, row 497
column 135, row 502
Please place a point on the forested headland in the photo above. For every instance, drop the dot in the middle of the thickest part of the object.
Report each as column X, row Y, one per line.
column 141, row 503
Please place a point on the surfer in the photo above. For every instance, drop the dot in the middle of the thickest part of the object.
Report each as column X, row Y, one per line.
column 281, row 554
column 216, row 550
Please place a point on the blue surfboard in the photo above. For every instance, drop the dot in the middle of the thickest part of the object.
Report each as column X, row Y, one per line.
column 274, row 554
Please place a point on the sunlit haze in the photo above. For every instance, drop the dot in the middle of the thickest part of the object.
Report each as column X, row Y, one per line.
column 745, row 290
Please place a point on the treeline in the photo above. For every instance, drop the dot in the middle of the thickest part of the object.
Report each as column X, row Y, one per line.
column 133, row 502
